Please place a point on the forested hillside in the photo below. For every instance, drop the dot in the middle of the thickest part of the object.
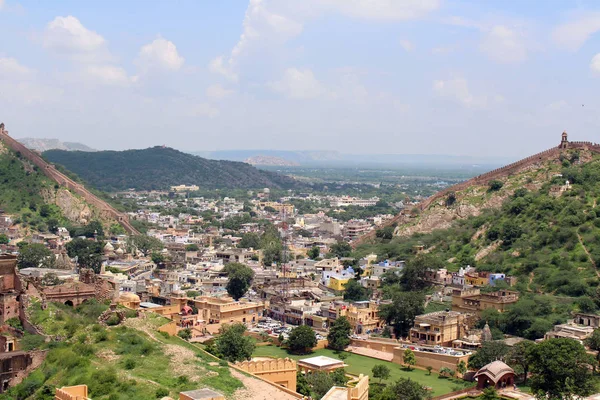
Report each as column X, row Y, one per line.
column 532, row 225
column 159, row 168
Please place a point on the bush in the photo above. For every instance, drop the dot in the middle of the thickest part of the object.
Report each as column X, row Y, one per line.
column 129, row 363
column 161, row 392
column 495, row 185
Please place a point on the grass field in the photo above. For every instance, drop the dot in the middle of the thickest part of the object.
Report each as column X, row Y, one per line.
column 358, row 364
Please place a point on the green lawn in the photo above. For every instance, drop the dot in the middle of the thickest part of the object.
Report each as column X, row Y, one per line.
column 358, row 364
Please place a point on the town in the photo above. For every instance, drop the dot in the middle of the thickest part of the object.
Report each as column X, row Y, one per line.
column 285, row 286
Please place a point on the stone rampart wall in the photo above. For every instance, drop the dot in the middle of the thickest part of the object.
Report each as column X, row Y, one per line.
column 50, row 171
column 498, row 173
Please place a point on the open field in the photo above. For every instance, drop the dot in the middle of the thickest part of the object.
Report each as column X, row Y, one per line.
column 358, row 364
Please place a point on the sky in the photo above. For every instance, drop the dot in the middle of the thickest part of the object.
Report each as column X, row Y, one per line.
column 480, row 78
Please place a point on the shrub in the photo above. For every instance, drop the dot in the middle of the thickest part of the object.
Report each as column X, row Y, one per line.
column 495, row 185
column 161, row 392
column 129, row 363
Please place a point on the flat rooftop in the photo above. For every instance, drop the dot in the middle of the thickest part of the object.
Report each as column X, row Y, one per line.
column 321, row 361
column 205, row 393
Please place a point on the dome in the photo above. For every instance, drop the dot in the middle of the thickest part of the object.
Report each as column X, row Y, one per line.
column 120, row 251
column 108, row 247
column 129, row 297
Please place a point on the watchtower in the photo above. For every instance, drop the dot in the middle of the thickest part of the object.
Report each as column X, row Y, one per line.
column 564, row 141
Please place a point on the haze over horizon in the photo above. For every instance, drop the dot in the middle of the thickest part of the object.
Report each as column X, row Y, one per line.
column 500, row 79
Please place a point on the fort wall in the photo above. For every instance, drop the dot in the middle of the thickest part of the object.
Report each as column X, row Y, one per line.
column 51, row 172
column 498, row 173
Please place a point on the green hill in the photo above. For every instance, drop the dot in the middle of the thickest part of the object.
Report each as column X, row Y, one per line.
column 158, row 168
column 129, row 361
column 529, row 224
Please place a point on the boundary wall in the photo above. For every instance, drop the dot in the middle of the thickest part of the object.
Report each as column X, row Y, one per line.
column 489, row 176
column 51, row 172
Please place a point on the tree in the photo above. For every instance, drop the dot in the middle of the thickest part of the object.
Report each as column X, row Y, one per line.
column 489, row 351
column 146, row 244
column 338, row 337
column 429, row 368
column 302, row 339
column 409, row 358
column 445, row 371
column 593, row 342
column 386, row 233
column 489, row 394
column 88, row 253
column 461, row 367
column 381, row 372
column 3, row 239
column 185, row 334
column 354, row 291
column 319, row 382
column 520, row 356
column 250, row 240
column 240, row 278
column 313, row 253
column 560, row 369
column 117, row 229
column 406, row 389
column 495, row 185
column 158, row 258
column 232, row 345
column 34, row 255
column 413, row 276
column 402, row 311
column 192, row 247
column 340, row 249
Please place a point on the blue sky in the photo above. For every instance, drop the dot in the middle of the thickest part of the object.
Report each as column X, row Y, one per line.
column 491, row 78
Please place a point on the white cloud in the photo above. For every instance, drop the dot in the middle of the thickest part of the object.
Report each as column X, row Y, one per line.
column 217, row 91
column 504, row 45
column 275, row 22
column 260, row 25
column 160, row 53
column 407, row 45
column 10, row 67
column 298, row 84
column 384, row 9
column 108, row 74
column 595, row 64
column 217, row 66
column 573, row 34
column 68, row 35
column 458, row 90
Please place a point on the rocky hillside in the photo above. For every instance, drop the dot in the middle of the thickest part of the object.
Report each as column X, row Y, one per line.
column 161, row 168
column 36, row 200
column 531, row 224
column 42, row 145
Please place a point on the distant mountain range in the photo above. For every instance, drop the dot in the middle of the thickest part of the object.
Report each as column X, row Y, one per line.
column 42, row 145
column 335, row 158
column 159, row 168
column 270, row 160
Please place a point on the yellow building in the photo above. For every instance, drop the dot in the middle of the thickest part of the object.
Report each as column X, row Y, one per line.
column 279, row 207
column 281, row 371
column 129, row 300
column 79, row 392
column 473, row 301
column 439, row 328
column 337, row 283
column 225, row 310
column 355, row 390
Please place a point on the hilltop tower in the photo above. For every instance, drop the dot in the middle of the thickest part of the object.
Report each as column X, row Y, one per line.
column 564, row 142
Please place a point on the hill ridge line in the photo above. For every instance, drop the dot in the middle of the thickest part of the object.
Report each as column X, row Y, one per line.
column 51, row 172
column 491, row 175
